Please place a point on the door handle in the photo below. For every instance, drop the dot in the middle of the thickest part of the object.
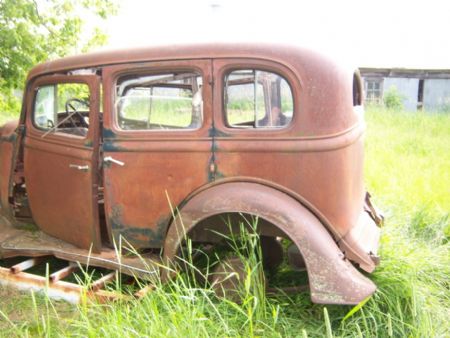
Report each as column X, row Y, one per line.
column 113, row 160
column 79, row 167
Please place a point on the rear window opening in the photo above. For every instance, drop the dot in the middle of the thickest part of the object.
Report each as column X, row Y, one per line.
column 257, row 99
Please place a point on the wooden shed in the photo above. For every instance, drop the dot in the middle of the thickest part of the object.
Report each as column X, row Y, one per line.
column 427, row 89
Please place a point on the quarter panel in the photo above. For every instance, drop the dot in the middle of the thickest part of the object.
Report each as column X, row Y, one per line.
column 319, row 155
column 330, row 179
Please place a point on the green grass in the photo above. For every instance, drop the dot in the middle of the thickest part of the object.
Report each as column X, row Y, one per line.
column 408, row 172
column 408, row 161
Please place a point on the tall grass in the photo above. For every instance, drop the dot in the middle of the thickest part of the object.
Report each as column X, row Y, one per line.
column 408, row 173
column 408, row 160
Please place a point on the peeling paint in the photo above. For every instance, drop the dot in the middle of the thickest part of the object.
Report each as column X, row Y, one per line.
column 108, row 133
column 137, row 237
column 213, row 132
column 111, row 147
column 10, row 138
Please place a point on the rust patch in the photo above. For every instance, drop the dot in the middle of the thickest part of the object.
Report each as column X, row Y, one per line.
column 137, row 237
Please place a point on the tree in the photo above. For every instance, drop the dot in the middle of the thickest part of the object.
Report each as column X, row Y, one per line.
column 33, row 31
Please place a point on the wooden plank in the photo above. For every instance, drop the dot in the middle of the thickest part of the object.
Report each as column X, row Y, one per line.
column 63, row 273
column 145, row 290
column 101, row 282
column 25, row 265
column 70, row 292
column 30, row 282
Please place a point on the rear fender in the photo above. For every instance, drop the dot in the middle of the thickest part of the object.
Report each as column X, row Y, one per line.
column 332, row 279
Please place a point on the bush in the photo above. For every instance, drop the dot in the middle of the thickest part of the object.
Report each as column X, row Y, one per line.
column 393, row 99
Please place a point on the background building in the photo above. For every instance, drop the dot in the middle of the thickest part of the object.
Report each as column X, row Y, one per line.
column 419, row 88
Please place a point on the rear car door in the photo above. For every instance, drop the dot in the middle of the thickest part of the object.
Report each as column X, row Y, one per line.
column 60, row 157
column 156, row 144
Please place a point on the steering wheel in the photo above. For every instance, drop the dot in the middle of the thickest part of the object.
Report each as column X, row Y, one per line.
column 69, row 105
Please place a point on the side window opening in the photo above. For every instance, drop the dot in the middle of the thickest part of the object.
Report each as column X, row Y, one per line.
column 62, row 108
column 159, row 102
column 257, row 99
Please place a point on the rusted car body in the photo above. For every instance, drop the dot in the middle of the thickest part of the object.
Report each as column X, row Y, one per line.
column 151, row 144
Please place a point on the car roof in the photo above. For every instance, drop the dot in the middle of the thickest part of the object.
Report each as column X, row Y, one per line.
column 287, row 55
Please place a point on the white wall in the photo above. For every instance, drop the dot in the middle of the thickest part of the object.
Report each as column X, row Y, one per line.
column 406, row 87
column 436, row 95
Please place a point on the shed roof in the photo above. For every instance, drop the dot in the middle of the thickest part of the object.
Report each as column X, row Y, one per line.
column 406, row 73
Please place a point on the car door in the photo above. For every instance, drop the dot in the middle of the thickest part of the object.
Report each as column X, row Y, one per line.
column 61, row 157
column 156, row 144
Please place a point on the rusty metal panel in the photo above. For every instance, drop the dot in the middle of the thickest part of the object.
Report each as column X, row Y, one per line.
column 331, row 181
column 158, row 165
column 138, row 195
column 332, row 279
column 8, row 138
column 63, row 200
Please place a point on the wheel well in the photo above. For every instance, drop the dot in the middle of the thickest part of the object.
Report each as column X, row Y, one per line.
column 213, row 227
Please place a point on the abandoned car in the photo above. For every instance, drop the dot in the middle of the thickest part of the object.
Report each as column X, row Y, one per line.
column 152, row 146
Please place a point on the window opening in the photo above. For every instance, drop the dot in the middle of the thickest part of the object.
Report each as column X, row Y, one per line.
column 159, row 102
column 257, row 99
column 62, row 108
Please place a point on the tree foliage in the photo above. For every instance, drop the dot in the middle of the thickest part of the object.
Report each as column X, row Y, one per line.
column 33, row 31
